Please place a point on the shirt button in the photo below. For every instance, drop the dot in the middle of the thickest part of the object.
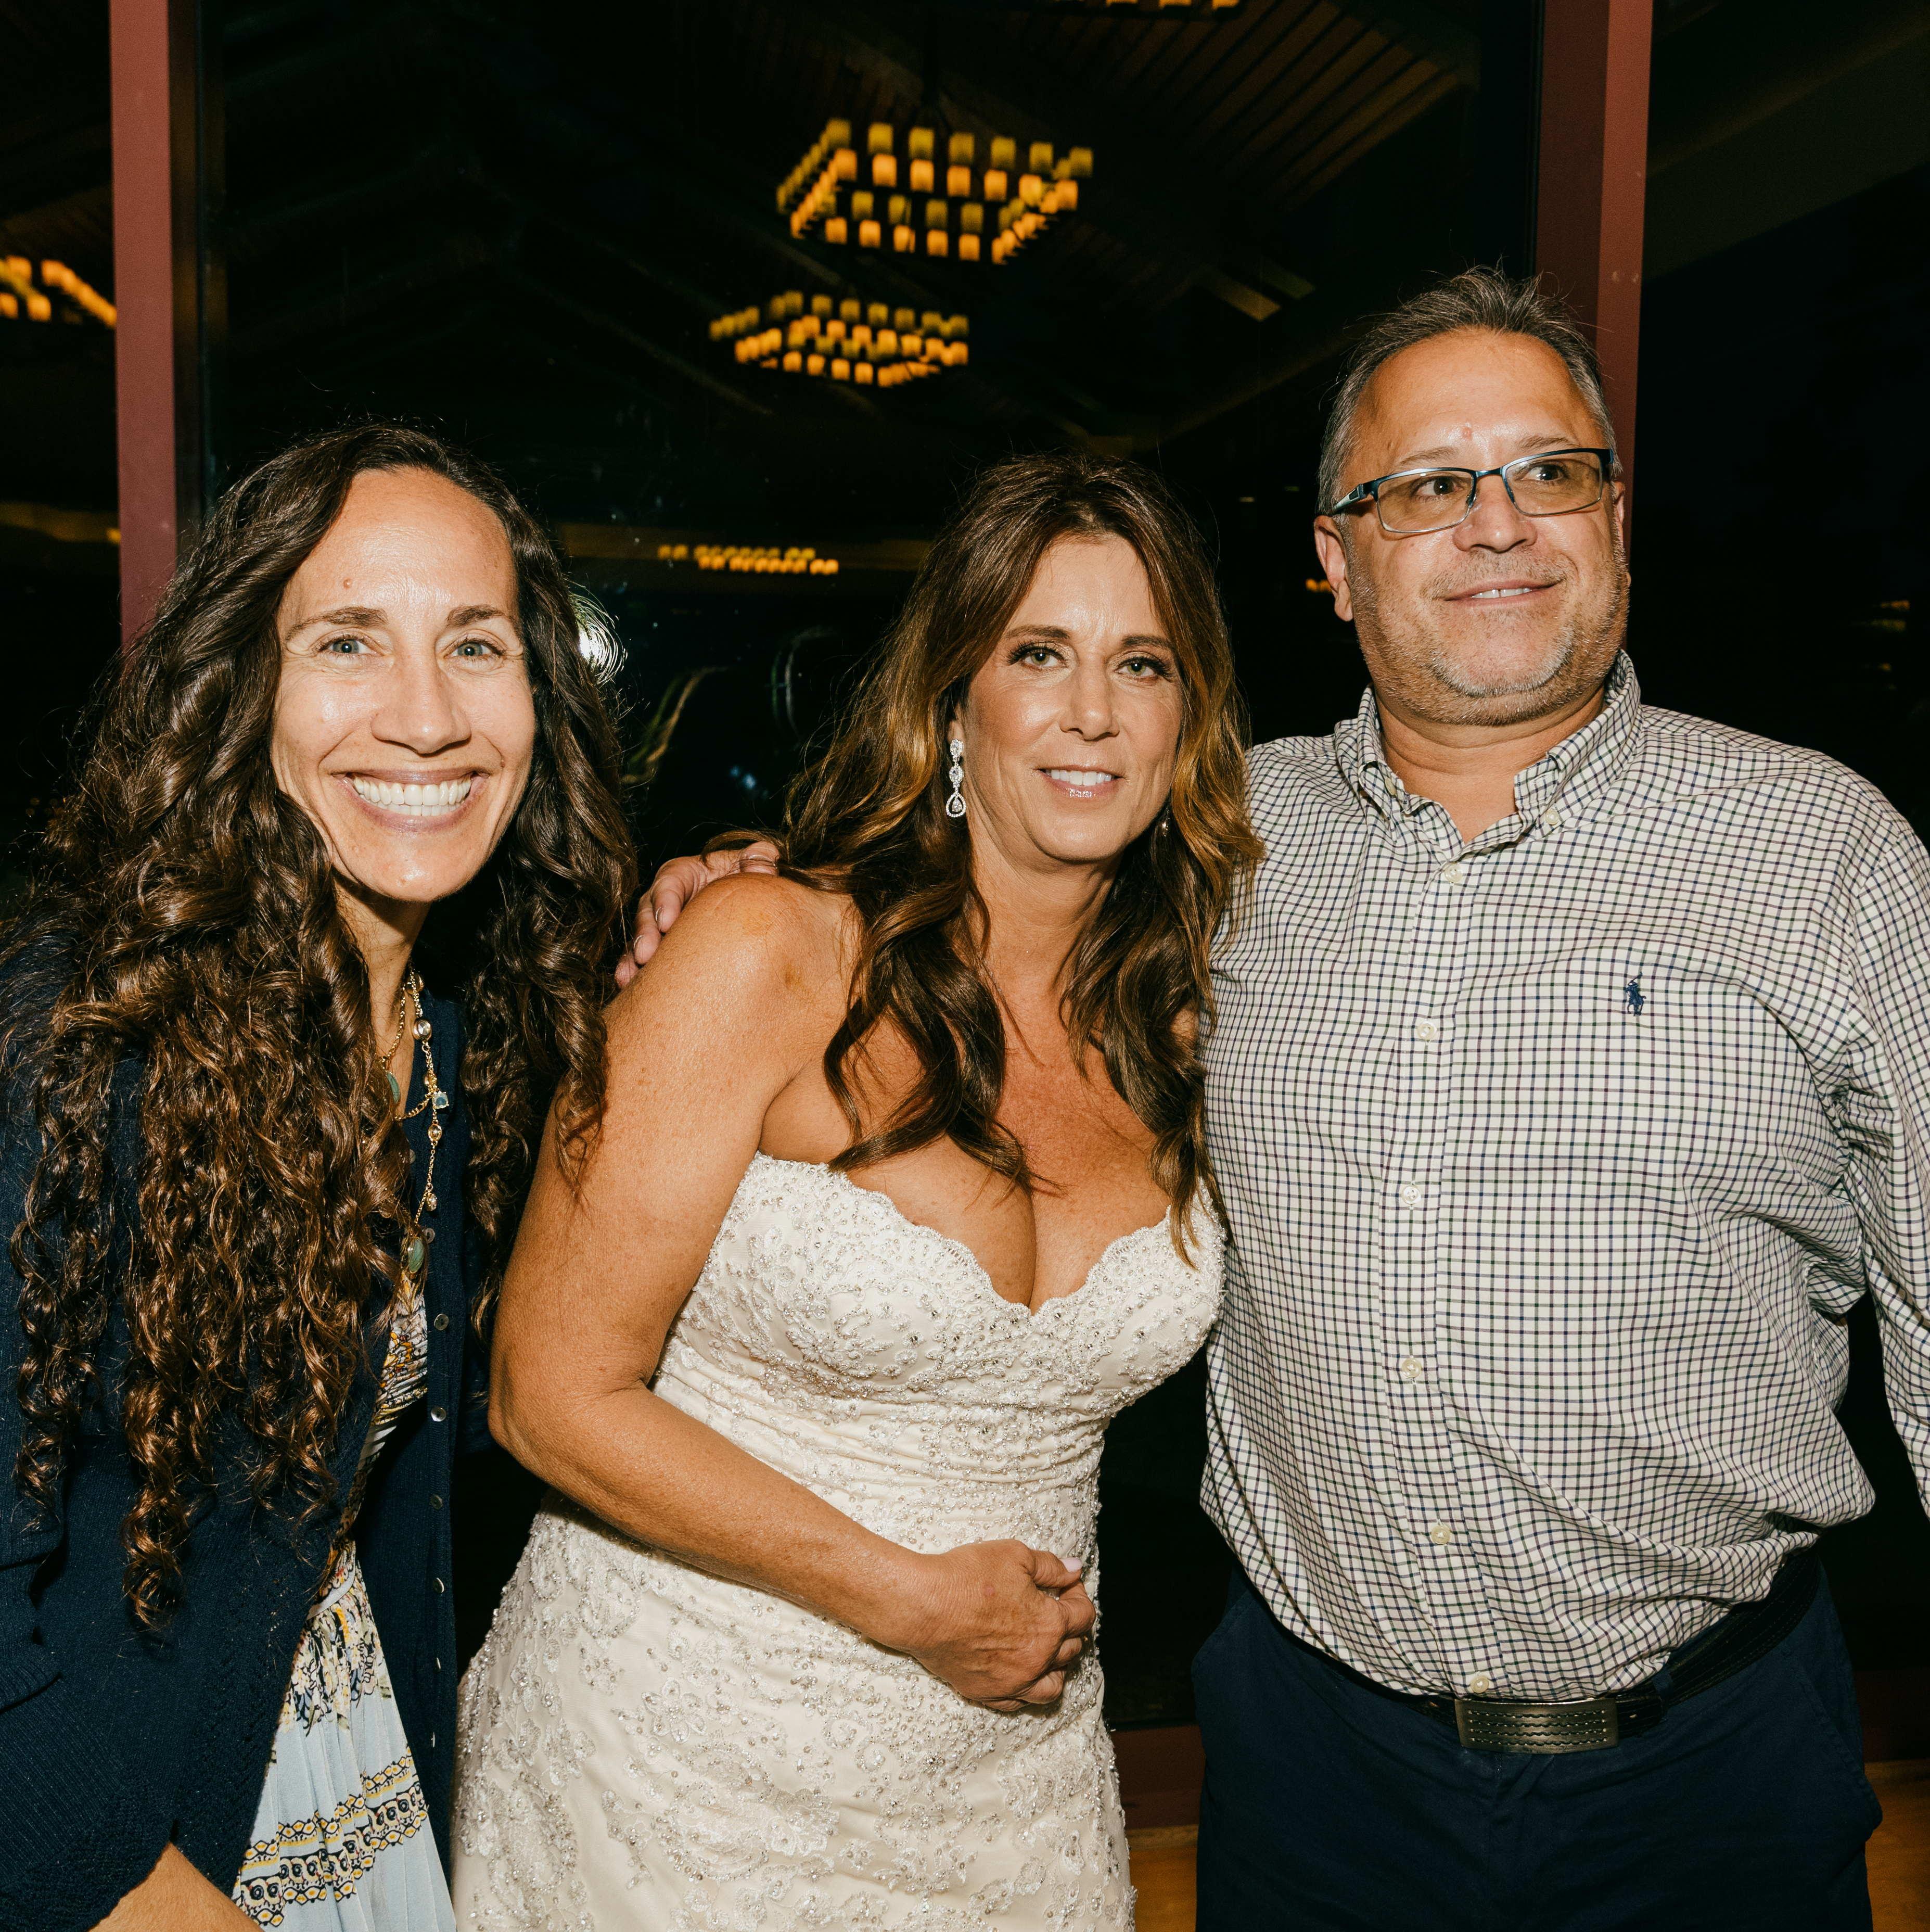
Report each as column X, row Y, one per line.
column 1479, row 1685
column 1451, row 873
column 1438, row 1532
column 1411, row 1368
column 1410, row 1195
column 1427, row 1030
column 1551, row 819
column 438, row 1413
column 442, row 1321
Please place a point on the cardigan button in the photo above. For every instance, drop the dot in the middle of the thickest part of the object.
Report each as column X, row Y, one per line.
column 435, row 1502
column 442, row 1321
column 438, row 1413
column 440, row 1585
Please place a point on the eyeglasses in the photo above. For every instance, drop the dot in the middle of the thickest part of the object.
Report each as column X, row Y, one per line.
column 1551, row 483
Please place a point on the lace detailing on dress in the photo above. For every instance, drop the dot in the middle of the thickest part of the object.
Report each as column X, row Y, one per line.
column 643, row 1743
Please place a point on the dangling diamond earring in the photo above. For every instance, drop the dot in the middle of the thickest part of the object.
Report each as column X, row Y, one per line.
column 955, row 805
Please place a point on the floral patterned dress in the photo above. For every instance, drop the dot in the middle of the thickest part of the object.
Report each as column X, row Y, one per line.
column 342, row 1840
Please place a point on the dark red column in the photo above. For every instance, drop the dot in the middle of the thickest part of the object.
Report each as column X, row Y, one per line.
column 157, row 284
column 1591, row 175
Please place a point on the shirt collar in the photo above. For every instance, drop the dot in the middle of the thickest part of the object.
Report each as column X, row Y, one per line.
column 1577, row 771
column 1583, row 766
column 1363, row 761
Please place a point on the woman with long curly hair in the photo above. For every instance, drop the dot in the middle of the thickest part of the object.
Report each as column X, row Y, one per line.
column 900, row 1196
column 265, row 1139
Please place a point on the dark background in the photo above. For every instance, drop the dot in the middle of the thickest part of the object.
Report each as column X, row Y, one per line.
column 514, row 221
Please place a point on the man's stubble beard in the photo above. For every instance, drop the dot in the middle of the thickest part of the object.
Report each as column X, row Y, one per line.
column 1411, row 664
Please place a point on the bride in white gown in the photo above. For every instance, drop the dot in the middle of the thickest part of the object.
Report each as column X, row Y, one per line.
column 899, row 1197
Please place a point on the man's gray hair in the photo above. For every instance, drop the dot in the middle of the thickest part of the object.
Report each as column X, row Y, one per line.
column 1483, row 298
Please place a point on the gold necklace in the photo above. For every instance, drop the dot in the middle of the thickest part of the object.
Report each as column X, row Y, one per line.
column 401, row 1021
column 414, row 989
column 414, row 1247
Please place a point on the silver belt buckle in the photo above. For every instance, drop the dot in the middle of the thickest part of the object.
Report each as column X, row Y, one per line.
column 1495, row 1724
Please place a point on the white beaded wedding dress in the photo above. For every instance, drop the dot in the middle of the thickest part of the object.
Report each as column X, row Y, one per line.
column 645, row 1746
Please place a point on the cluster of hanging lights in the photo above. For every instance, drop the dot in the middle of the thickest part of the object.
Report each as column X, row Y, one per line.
column 870, row 344
column 977, row 215
column 752, row 559
column 19, row 297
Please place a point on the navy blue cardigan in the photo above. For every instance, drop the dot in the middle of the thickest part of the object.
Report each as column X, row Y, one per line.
column 113, row 1740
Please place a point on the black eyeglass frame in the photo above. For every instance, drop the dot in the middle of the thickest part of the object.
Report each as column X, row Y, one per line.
column 1361, row 492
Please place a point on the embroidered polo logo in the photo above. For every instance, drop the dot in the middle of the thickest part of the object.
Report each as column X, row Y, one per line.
column 1633, row 999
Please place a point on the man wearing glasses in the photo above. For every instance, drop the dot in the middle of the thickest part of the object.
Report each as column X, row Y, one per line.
column 1568, row 1087
column 1569, row 1082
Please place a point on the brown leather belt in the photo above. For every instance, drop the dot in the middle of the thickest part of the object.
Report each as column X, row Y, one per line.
column 1746, row 1635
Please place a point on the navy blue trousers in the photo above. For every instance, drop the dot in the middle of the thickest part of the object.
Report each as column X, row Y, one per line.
column 1329, row 1807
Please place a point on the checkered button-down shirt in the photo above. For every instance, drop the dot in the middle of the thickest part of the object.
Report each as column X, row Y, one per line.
column 1554, row 1159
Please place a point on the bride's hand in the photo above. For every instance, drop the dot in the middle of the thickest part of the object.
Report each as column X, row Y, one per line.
column 998, row 1621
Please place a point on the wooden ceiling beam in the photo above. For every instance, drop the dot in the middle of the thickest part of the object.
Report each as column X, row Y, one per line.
column 609, row 325
column 317, row 307
column 256, row 226
column 1426, row 30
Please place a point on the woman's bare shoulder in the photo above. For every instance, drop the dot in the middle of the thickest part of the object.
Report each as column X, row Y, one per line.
column 768, row 935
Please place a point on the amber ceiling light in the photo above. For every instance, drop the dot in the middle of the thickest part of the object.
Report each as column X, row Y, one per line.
column 870, row 345
column 980, row 215
column 19, row 297
column 758, row 559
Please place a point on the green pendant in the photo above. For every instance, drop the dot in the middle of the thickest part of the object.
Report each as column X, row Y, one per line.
column 395, row 1090
column 413, row 1255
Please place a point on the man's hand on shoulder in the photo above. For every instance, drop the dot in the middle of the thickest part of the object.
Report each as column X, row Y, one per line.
column 677, row 882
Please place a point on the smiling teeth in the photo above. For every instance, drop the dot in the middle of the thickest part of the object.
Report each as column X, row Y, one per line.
column 1084, row 779
column 1518, row 590
column 426, row 799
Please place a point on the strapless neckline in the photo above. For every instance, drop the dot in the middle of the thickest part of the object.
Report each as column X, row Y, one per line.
column 977, row 1268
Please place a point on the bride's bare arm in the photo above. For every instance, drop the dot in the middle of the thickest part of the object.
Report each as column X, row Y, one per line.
column 732, row 1010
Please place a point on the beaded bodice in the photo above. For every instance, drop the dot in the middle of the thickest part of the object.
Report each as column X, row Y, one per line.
column 871, row 1359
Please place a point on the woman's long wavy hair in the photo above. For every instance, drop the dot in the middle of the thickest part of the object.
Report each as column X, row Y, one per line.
column 183, row 952
column 867, row 819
